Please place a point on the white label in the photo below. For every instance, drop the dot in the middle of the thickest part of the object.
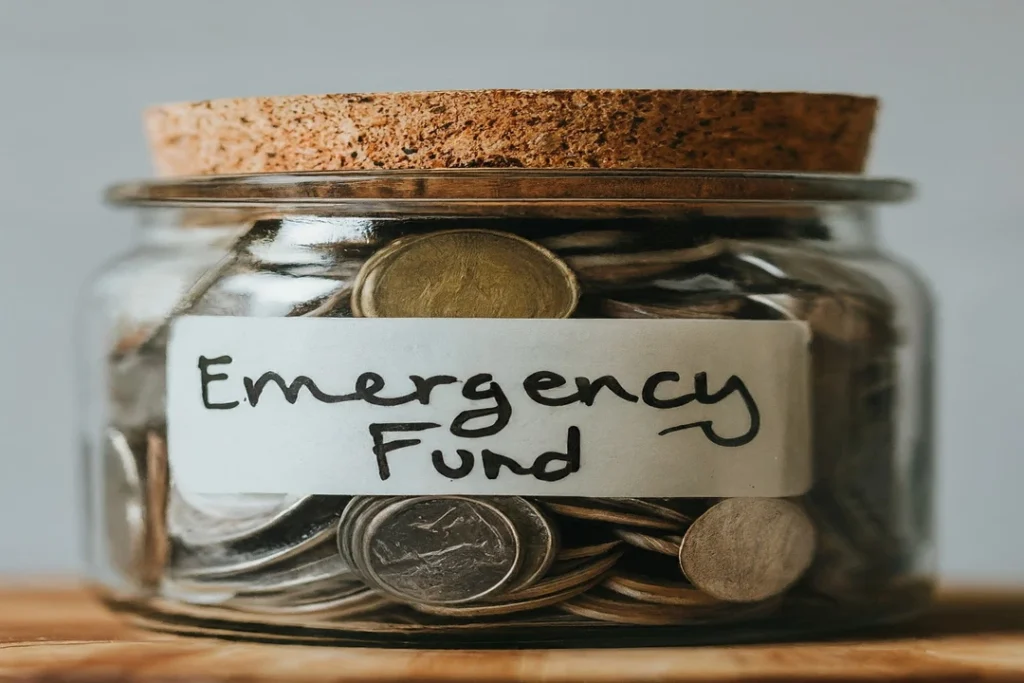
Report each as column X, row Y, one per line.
column 501, row 407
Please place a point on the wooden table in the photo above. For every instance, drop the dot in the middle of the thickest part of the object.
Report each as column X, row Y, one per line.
column 60, row 633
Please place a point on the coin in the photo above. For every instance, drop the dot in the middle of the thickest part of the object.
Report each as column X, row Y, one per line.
column 510, row 604
column 581, row 539
column 335, row 305
column 605, row 605
column 359, row 511
column 344, row 597
column 606, row 510
column 666, row 545
column 582, row 552
column 850, row 319
column 748, row 549
column 304, row 527
column 626, row 266
column 316, row 565
column 137, row 364
column 193, row 592
column 308, row 592
column 464, row 274
column 588, row 239
column 123, row 512
column 237, row 506
column 157, row 542
column 659, row 507
column 538, row 536
column 778, row 306
column 440, row 550
column 137, row 385
column 701, row 306
column 198, row 520
column 661, row 591
column 568, row 576
column 323, row 615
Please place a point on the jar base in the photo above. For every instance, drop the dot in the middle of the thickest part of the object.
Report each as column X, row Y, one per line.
column 794, row 620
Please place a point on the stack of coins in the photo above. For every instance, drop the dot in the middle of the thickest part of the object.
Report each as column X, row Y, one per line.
column 455, row 559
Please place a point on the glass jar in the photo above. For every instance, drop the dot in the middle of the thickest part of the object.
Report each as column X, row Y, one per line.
column 504, row 406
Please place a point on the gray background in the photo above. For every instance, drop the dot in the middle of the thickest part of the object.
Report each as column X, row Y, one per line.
column 74, row 76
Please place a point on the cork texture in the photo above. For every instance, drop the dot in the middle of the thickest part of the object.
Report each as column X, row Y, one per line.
column 610, row 129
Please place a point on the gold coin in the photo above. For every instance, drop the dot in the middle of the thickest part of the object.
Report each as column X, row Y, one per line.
column 464, row 274
column 748, row 549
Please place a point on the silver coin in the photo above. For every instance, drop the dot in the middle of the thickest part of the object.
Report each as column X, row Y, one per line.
column 538, row 537
column 363, row 605
column 307, row 592
column 124, row 510
column 239, row 506
column 780, row 306
column 305, row 527
column 193, row 593
column 441, row 550
column 352, row 524
column 342, row 596
column 318, row 564
column 665, row 545
column 137, row 381
column 198, row 520
column 138, row 369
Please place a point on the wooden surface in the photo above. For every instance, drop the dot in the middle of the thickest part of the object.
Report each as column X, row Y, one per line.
column 62, row 634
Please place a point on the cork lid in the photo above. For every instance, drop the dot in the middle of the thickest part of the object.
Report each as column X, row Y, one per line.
column 555, row 129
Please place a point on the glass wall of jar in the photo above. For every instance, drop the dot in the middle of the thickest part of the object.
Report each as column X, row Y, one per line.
column 834, row 533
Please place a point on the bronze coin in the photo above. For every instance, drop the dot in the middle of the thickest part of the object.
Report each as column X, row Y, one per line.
column 607, row 510
column 660, row 591
column 157, row 545
column 665, row 545
column 748, row 549
column 699, row 306
column 628, row 266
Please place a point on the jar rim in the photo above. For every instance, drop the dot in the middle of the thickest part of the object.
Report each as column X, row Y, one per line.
column 513, row 193
column 513, row 184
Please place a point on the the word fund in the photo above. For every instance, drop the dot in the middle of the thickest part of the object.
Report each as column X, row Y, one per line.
column 664, row 390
